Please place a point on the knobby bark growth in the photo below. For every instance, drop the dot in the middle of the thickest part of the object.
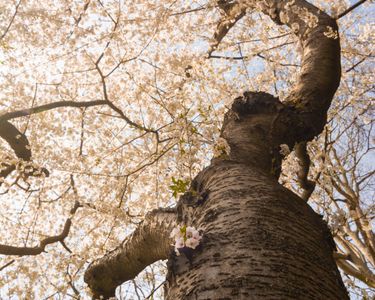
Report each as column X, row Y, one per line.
column 260, row 241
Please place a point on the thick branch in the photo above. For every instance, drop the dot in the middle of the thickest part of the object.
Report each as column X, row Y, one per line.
column 21, row 147
column 5, row 170
column 21, row 251
column 150, row 242
column 16, row 140
column 233, row 13
column 320, row 69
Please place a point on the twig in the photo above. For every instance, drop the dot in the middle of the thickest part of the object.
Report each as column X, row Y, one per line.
column 355, row 65
column 154, row 290
column 243, row 62
column 7, row 264
column 190, row 11
column 11, row 21
column 82, row 132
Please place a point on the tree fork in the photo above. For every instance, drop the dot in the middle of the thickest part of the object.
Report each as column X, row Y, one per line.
column 259, row 239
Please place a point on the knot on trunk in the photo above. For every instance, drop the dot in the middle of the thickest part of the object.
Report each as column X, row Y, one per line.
column 255, row 127
column 256, row 103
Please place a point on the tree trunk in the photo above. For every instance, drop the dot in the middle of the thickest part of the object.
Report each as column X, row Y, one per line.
column 260, row 240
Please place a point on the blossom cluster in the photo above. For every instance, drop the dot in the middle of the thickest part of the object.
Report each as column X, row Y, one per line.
column 185, row 236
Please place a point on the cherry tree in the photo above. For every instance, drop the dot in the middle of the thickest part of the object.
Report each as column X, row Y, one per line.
column 187, row 131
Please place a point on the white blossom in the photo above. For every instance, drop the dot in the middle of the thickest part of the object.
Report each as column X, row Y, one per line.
column 192, row 243
column 185, row 236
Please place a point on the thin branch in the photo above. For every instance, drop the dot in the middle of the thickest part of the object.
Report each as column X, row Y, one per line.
column 108, row 14
column 7, row 264
column 130, row 122
column 345, row 12
column 49, row 106
column 32, row 105
column 155, row 289
column 241, row 57
column 114, row 107
column 82, row 132
column 355, row 65
column 78, row 20
column 141, row 167
column 352, row 271
column 233, row 13
column 243, row 62
column 228, row 57
column 190, row 11
column 11, row 21
column 269, row 38
column 279, row 63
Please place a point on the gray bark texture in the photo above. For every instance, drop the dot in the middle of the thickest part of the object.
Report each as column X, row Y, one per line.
column 260, row 240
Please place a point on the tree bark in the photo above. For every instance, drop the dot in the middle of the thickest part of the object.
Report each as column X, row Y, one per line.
column 260, row 240
column 149, row 243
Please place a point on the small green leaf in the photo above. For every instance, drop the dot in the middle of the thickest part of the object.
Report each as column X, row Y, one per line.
column 179, row 186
